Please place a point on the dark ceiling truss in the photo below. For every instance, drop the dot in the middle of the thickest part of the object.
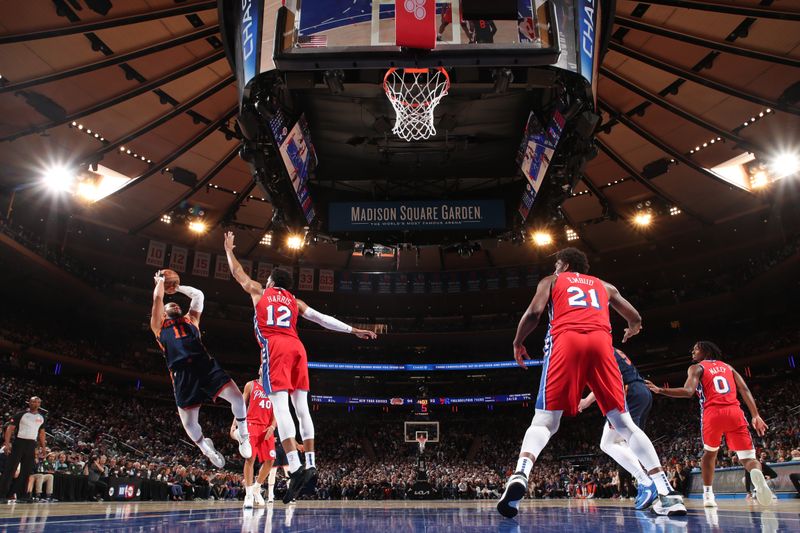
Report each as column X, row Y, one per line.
column 626, row 22
column 211, row 128
column 229, row 215
column 692, row 76
column 672, row 108
column 647, row 184
column 655, row 141
column 605, row 203
column 745, row 11
column 120, row 98
column 183, row 9
column 111, row 61
column 162, row 119
column 210, row 175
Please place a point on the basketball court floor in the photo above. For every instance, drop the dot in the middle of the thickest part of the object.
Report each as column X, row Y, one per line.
column 395, row 517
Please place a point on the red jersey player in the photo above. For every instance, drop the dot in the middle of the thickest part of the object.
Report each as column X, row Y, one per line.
column 261, row 424
column 578, row 352
column 716, row 384
column 283, row 360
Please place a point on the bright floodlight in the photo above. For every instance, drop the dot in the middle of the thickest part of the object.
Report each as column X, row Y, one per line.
column 785, row 165
column 759, row 180
column 294, row 242
column 58, row 178
column 542, row 238
column 643, row 219
column 198, row 226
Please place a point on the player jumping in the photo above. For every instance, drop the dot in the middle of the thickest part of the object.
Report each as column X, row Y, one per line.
column 716, row 384
column 284, row 361
column 196, row 376
column 639, row 401
column 578, row 352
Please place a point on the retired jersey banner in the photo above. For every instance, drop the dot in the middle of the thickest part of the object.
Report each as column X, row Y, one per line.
column 365, row 283
column 202, row 264
column 178, row 259
column 156, row 253
column 247, row 266
column 221, row 270
column 263, row 271
column 417, row 215
column 415, row 23
column 345, row 282
column 418, row 286
column 306, row 280
column 401, row 283
column 385, row 284
column 326, row 281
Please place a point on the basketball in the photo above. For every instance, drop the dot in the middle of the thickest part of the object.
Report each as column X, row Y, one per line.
column 171, row 281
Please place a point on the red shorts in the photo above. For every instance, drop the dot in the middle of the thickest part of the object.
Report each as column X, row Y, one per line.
column 263, row 447
column 573, row 360
column 284, row 364
column 447, row 15
column 727, row 421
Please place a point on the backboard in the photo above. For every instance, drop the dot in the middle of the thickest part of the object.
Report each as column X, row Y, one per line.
column 412, row 429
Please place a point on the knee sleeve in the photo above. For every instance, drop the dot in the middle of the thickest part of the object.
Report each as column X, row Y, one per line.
column 639, row 443
column 543, row 426
column 189, row 419
column 233, row 396
column 746, row 454
column 300, row 402
column 280, row 406
column 609, row 438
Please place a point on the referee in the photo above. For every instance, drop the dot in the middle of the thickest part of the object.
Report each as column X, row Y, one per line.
column 26, row 427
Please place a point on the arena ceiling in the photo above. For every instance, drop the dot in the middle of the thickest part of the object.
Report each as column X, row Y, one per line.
column 685, row 86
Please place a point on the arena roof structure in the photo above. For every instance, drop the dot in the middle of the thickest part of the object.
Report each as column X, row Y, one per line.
column 699, row 99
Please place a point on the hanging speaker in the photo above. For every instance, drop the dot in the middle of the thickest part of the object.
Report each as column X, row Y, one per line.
column 489, row 10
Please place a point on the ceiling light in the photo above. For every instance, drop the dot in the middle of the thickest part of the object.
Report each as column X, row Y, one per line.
column 166, row 219
column 80, row 126
column 198, row 226
column 759, row 180
column 785, row 164
column 542, row 238
column 643, row 219
column 571, row 235
column 266, row 240
column 674, row 210
column 294, row 242
column 58, row 178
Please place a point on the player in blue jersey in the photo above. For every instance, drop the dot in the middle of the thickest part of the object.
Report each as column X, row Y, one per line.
column 639, row 400
column 196, row 376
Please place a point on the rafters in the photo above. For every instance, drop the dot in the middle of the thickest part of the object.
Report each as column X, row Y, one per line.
column 745, row 11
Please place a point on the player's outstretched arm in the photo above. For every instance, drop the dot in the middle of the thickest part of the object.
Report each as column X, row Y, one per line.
column 196, row 304
column 157, row 311
column 530, row 319
column 759, row 425
column 624, row 308
column 331, row 323
column 688, row 389
column 253, row 288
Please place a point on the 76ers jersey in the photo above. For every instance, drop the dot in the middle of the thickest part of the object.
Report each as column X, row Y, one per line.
column 578, row 303
column 276, row 314
column 259, row 406
column 180, row 340
column 717, row 387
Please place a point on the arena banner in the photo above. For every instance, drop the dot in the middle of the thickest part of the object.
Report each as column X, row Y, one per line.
column 473, row 281
column 305, row 281
column 247, row 266
column 358, row 400
column 344, row 282
column 435, row 282
column 299, row 158
column 221, row 270
column 263, row 271
column 452, row 282
column 178, row 258
column 400, row 283
column 589, row 40
column 123, row 489
column 202, row 264
column 244, row 19
column 417, row 215
column 365, row 283
column 419, row 367
column 156, row 253
column 385, row 284
column 492, row 280
column 418, row 284
column 326, row 280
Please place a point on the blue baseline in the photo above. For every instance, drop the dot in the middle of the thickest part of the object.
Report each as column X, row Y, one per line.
column 375, row 367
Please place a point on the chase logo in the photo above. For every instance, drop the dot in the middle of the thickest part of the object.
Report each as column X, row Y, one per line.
column 248, row 29
column 588, row 19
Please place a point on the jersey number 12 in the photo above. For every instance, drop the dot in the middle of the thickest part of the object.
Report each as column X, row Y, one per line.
column 284, row 317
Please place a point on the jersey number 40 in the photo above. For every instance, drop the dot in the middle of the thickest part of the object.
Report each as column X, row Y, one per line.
column 284, row 317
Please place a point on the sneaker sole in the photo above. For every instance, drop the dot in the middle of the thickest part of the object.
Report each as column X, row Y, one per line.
column 507, row 506
column 764, row 493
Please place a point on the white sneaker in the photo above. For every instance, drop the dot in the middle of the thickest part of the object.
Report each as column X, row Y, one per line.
column 515, row 490
column 709, row 500
column 255, row 490
column 763, row 492
column 244, row 444
column 216, row 458
column 271, row 497
column 248, row 501
column 669, row 505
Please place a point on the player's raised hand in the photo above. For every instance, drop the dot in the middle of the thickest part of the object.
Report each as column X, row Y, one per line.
column 229, row 246
column 630, row 332
column 520, row 354
column 364, row 334
column 759, row 425
column 655, row 389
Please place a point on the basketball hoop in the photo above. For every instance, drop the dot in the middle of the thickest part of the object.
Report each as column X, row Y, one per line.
column 422, row 439
column 414, row 94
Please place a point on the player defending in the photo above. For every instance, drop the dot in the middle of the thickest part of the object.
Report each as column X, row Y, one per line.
column 261, row 424
column 284, row 362
column 196, row 376
column 716, row 384
column 578, row 352
column 639, row 401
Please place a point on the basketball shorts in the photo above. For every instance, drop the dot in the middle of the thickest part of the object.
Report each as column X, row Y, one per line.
column 284, row 365
column 263, row 446
column 639, row 400
column 197, row 381
column 729, row 422
column 574, row 360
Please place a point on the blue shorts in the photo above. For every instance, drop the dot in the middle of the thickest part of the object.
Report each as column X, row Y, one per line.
column 639, row 400
column 198, row 381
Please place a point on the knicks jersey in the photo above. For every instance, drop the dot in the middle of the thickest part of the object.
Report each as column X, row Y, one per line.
column 180, row 341
column 578, row 302
column 717, row 387
column 259, row 406
column 626, row 368
column 276, row 314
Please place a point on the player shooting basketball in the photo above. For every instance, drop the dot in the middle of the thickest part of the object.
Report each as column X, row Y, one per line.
column 284, row 360
column 196, row 376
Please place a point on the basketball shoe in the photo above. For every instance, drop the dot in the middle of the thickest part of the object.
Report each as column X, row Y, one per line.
column 669, row 505
column 516, row 487
column 645, row 496
column 245, row 450
column 213, row 455
column 255, row 490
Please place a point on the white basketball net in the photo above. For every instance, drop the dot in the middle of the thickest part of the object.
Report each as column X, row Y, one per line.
column 414, row 94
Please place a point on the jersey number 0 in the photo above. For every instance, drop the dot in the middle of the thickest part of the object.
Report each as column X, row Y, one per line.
column 284, row 317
